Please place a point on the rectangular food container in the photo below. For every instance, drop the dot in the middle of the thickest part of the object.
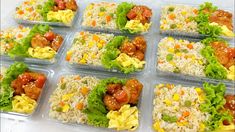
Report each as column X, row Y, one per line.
column 116, row 30
column 56, row 24
column 191, row 34
column 229, row 90
column 184, row 77
column 30, row 60
column 98, row 75
column 48, row 73
column 101, row 68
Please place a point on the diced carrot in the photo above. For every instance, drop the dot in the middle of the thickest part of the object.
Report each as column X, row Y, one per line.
column 20, row 27
column 82, row 33
column 68, row 57
column 177, row 46
column 78, row 78
column 190, row 46
column 19, row 35
column 182, row 92
column 160, row 62
column 20, row 12
column 84, row 91
column 26, row 2
column 108, row 19
column 96, row 38
column 171, row 16
column 79, row 106
column 62, row 79
column 195, row 11
column 186, row 113
column 181, row 118
column 61, row 103
column 93, row 23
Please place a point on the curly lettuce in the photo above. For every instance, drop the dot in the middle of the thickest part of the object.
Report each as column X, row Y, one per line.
column 96, row 111
column 108, row 59
column 121, row 13
column 214, row 102
column 213, row 69
column 209, row 40
column 6, row 93
column 21, row 48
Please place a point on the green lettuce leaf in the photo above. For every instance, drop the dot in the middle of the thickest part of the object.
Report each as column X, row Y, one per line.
column 96, row 111
column 209, row 40
column 213, row 104
column 48, row 6
column 6, row 93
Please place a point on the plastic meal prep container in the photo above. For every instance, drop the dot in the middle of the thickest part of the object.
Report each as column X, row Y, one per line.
column 56, row 24
column 196, row 35
column 98, row 75
column 101, row 68
column 116, row 30
column 48, row 73
column 150, row 122
column 172, row 75
column 31, row 60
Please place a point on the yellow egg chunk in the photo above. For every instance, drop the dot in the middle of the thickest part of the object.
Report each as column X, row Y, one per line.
column 157, row 127
column 127, row 61
column 124, row 119
column 231, row 73
column 136, row 26
column 23, row 104
column 42, row 53
column 65, row 16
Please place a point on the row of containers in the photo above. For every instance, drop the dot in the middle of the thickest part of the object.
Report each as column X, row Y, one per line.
column 111, row 73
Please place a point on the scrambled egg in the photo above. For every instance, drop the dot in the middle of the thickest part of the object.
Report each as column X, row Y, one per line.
column 231, row 72
column 124, row 119
column 225, row 30
column 136, row 26
column 228, row 128
column 23, row 104
column 127, row 61
column 42, row 53
column 65, row 16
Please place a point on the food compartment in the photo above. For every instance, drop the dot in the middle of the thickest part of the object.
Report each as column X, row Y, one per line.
column 107, row 52
column 22, row 86
column 96, row 100
column 113, row 17
column 37, row 45
column 192, row 59
column 188, row 106
column 192, row 21
column 52, row 12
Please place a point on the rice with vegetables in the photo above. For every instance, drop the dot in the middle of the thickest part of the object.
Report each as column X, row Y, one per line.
column 8, row 35
column 28, row 10
column 100, row 15
column 176, row 108
column 178, row 17
column 181, row 56
column 88, row 47
column 70, row 98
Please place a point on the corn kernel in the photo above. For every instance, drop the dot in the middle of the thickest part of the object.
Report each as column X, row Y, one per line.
column 179, row 54
column 82, row 61
column 172, row 63
column 170, row 38
column 67, row 97
column 199, row 91
column 101, row 14
column 65, row 108
column 171, row 50
column 91, row 43
column 157, row 127
column 168, row 102
column 184, row 13
column 99, row 45
column 176, row 97
column 85, row 56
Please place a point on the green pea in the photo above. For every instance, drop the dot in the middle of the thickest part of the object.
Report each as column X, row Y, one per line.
column 169, row 57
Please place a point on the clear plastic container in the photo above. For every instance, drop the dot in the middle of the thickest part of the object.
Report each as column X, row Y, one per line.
column 101, row 68
column 48, row 73
column 196, row 35
column 185, row 77
column 229, row 90
column 98, row 75
column 30, row 60
column 116, row 30
column 56, row 24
